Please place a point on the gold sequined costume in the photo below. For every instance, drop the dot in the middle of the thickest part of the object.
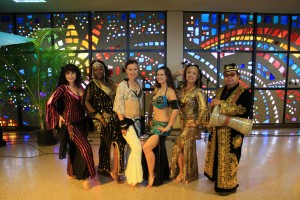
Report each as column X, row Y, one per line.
column 192, row 108
column 225, row 144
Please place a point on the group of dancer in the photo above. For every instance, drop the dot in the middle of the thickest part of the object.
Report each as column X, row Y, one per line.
column 118, row 111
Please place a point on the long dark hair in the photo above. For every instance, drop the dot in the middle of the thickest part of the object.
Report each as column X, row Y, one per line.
column 62, row 77
column 168, row 73
column 198, row 82
column 106, row 72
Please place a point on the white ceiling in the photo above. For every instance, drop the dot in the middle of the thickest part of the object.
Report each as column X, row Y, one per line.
column 248, row 6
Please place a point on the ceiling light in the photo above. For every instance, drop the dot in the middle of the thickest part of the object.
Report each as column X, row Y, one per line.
column 30, row 1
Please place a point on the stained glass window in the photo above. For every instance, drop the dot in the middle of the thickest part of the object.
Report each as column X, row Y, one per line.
column 294, row 71
column 236, row 32
column 109, row 31
column 201, row 31
column 268, row 106
column 270, row 70
column 234, row 40
column 292, row 106
column 295, row 35
column 147, row 30
column 115, row 61
column 272, row 32
column 6, row 23
column 27, row 23
column 113, row 37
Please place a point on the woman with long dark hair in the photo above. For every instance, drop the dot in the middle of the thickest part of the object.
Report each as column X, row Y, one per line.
column 72, row 119
column 164, row 106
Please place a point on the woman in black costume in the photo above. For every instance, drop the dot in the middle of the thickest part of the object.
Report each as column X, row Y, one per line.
column 98, row 100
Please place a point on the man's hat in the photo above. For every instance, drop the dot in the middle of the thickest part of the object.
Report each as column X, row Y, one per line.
column 230, row 67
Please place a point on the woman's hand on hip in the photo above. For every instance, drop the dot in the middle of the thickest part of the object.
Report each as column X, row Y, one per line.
column 163, row 129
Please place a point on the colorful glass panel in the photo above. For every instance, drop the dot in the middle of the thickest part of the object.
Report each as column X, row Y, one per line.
column 294, row 71
column 200, row 31
column 109, row 31
column 292, row 107
column 295, row 33
column 77, row 26
column 236, row 32
column 6, row 23
column 147, row 30
column 268, row 106
column 272, row 32
column 27, row 23
column 149, row 62
column 270, row 71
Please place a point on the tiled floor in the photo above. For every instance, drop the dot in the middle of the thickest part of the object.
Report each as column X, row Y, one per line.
column 269, row 169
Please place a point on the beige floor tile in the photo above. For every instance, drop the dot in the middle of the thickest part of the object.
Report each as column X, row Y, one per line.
column 269, row 169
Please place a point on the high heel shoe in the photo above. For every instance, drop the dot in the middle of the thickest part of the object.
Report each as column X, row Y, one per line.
column 150, row 181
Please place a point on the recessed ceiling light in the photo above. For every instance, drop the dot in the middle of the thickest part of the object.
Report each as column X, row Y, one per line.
column 30, row 1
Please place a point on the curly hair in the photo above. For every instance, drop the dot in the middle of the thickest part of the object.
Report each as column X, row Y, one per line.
column 69, row 68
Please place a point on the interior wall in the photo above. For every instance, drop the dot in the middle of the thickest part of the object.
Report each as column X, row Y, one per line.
column 175, row 44
column 174, row 39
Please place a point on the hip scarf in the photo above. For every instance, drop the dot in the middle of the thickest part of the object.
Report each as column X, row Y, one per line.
column 136, row 123
column 156, row 125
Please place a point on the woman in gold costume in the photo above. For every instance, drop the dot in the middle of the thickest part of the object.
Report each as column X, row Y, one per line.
column 193, row 113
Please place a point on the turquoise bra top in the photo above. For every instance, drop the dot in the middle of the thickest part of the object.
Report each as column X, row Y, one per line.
column 160, row 101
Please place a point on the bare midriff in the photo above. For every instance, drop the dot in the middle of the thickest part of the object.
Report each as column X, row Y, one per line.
column 161, row 115
column 132, row 109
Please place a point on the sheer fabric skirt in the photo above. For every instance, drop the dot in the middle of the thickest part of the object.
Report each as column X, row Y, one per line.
column 186, row 144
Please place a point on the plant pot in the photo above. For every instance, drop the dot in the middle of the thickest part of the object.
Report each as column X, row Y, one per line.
column 2, row 142
column 45, row 137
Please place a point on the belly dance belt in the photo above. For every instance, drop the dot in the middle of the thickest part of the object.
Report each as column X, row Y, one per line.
column 156, row 125
column 136, row 123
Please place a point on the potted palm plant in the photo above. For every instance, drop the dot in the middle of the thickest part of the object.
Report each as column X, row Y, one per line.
column 30, row 73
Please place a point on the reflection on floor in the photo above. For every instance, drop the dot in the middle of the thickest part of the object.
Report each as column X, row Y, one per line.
column 269, row 169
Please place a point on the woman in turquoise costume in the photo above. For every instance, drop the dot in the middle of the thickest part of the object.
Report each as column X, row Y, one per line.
column 165, row 108
column 193, row 116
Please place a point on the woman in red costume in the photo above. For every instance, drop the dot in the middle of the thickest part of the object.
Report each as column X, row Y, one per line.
column 72, row 119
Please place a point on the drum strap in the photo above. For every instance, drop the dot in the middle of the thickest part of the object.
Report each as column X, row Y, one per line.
column 233, row 100
column 237, row 94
